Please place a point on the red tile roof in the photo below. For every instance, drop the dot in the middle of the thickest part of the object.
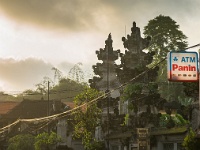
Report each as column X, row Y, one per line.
column 70, row 104
column 7, row 106
column 29, row 109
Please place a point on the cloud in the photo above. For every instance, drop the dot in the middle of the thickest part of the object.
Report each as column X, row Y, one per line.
column 100, row 16
column 80, row 15
column 26, row 73
column 23, row 74
column 70, row 14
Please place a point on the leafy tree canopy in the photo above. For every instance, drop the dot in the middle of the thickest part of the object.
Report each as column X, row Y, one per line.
column 165, row 36
column 177, row 120
column 190, row 141
column 7, row 97
column 86, row 118
column 21, row 142
column 65, row 90
column 132, row 90
column 45, row 140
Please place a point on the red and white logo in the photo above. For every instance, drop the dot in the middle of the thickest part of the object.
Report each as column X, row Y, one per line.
column 182, row 66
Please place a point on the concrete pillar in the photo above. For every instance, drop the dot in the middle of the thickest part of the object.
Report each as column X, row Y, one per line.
column 160, row 146
column 175, row 146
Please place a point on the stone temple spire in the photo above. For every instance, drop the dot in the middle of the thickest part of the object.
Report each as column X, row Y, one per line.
column 109, row 41
column 107, row 69
column 134, row 42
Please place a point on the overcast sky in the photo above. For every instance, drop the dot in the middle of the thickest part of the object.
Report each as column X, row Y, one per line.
column 36, row 35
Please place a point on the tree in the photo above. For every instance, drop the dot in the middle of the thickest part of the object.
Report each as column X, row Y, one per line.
column 166, row 120
column 66, row 89
column 190, row 141
column 67, row 85
column 7, row 97
column 46, row 140
column 76, row 73
column 191, row 89
column 42, row 86
column 165, row 36
column 21, row 142
column 86, row 118
column 57, row 75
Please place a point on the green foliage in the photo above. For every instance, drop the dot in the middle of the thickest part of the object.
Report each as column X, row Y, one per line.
column 131, row 90
column 164, row 119
column 67, row 84
column 179, row 120
column 7, row 97
column 86, row 119
column 191, row 89
column 65, row 90
column 76, row 73
column 131, row 106
column 126, row 120
column 186, row 101
column 165, row 36
column 31, row 92
column 190, row 141
column 86, row 95
column 131, row 93
column 42, row 87
column 153, row 87
column 45, row 140
column 97, row 145
column 21, row 142
column 170, row 90
column 171, row 121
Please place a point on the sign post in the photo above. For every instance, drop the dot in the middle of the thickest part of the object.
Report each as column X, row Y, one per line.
column 183, row 66
column 143, row 138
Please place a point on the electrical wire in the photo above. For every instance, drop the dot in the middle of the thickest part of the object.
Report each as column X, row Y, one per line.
column 38, row 94
column 57, row 116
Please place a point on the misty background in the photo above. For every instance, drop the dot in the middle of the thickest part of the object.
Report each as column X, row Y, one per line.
column 36, row 35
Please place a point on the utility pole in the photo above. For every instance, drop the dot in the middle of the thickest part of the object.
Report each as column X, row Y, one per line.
column 108, row 80
column 48, row 99
column 48, row 104
column 108, row 96
column 199, row 77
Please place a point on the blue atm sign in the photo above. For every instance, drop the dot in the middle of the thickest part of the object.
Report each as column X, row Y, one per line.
column 182, row 66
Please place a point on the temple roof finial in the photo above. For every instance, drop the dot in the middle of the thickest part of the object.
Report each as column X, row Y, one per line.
column 109, row 36
column 109, row 40
column 134, row 24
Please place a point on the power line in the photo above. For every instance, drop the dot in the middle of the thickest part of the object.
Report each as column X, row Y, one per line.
column 193, row 46
column 57, row 116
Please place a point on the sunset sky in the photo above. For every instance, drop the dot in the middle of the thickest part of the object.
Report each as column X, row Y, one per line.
column 36, row 35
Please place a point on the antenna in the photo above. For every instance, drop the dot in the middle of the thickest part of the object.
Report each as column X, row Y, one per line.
column 125, row 31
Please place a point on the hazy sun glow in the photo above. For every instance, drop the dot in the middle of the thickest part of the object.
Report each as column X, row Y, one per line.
column 34, row 37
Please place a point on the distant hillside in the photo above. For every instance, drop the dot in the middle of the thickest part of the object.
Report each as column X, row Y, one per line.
column 66, row 90
column 6, row 97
